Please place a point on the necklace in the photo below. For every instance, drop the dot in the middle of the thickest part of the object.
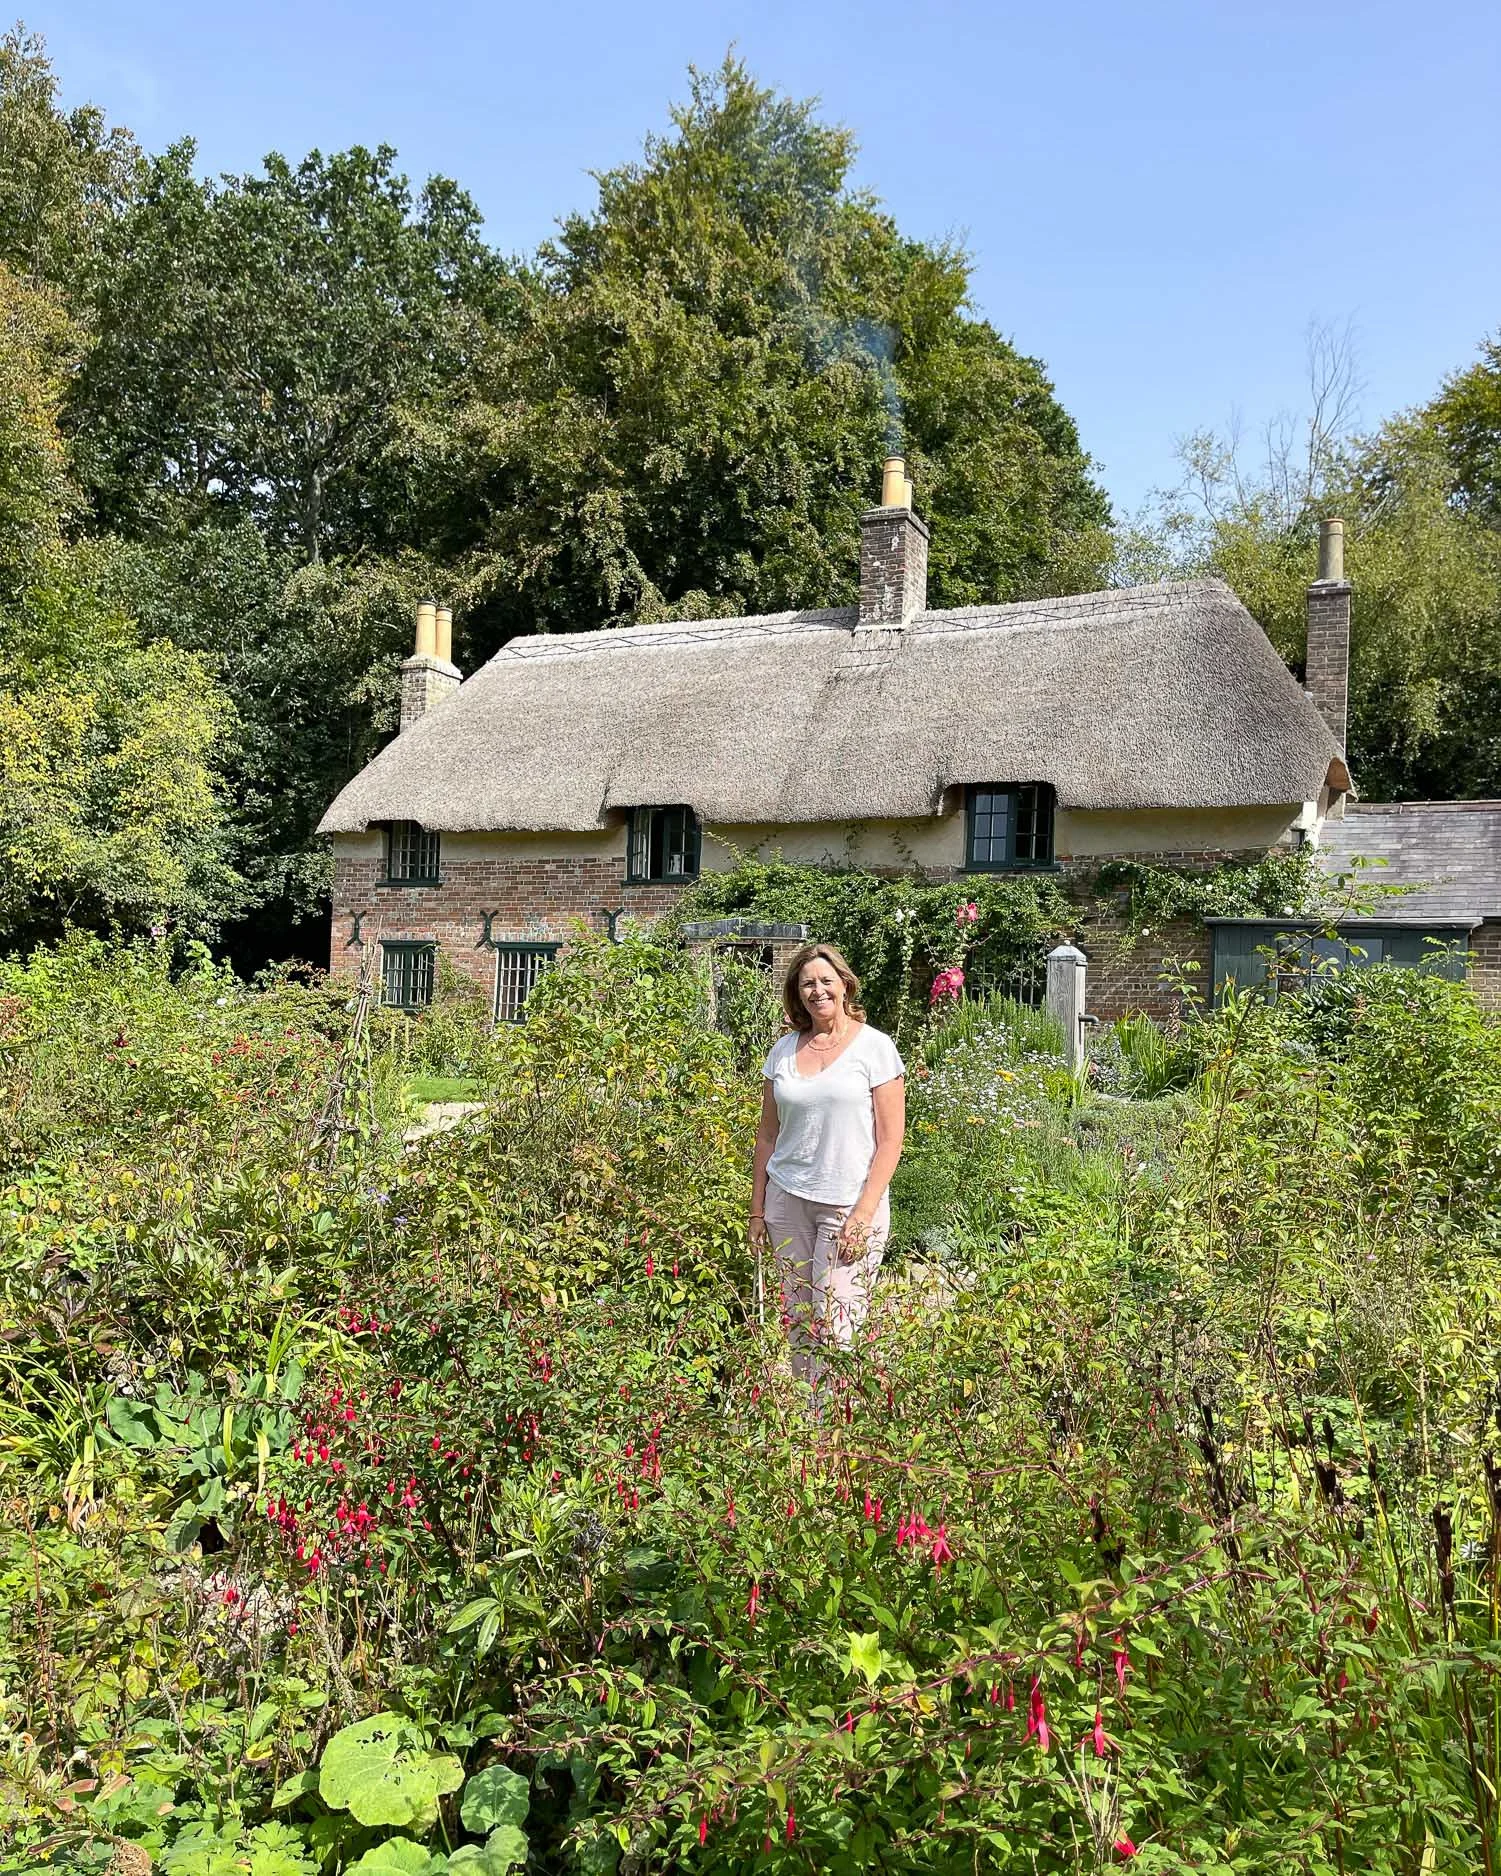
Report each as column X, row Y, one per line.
column 831, row 1040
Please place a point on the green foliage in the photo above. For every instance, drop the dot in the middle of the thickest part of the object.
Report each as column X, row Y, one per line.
column 64, row 176
column 1152, row 896
column 1178, row 1443
column 678, row 387
column 898, row 933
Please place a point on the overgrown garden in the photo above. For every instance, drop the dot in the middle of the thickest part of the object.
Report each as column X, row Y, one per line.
column 403, row 1510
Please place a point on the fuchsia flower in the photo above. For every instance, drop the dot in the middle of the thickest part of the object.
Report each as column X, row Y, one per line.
column 1037, row 1717
column 703, row 1828
column 754, row 1603
column 1123, row 1846
column 1122, row 1663
column 1097, row 1734
column 873, row 1509
column 651, row 1269
column 791, row 1821
column 943, row 1551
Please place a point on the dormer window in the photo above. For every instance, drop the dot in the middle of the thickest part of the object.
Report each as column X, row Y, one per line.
column 1008, row 827
column 664, row 848
column 411, row 855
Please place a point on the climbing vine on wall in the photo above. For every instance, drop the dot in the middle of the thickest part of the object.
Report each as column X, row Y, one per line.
column 1148, row 896
column 901, row 933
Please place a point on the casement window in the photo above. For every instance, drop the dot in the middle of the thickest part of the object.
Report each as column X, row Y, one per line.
column 411, row 855
column 517, row 969
column 664, row 846
column 1007, row 828
column 406, row 973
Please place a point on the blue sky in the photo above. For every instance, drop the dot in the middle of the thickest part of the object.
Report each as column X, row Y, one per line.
column 1158, row 198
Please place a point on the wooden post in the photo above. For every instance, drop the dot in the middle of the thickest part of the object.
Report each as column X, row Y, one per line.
column 1066, row 970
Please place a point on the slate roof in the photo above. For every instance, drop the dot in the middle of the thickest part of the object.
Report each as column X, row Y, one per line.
column 1452, row 849
column 1147, row 697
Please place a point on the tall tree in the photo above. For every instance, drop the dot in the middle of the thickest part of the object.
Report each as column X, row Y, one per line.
column 111, row 811
column 1466, row 418
column 260, row 342
column 687, row 395
column 65, row 176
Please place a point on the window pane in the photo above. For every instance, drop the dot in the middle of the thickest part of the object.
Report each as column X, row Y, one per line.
column 407, row 975
column 517, row 969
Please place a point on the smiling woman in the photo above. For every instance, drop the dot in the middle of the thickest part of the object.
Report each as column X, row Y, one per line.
column 833, row 1117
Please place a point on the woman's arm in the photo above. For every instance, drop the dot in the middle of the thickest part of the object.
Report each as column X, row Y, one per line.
column 890, row 1104
column 766, row 1139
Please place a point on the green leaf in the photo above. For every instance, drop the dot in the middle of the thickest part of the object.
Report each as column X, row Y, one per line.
column 132, row 1421
column 502, row 1850
column 496, row 1795
column 397, row 1856
column 293, row 1788
column 376, row 1772
column 865, row 1656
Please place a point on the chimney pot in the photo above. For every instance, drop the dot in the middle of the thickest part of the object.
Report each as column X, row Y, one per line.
column 1332, row 549
column 428, row 678
column 896, row 490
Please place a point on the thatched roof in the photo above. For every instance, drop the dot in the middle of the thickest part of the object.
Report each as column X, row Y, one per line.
column 1451, row 849
column 1150, row 697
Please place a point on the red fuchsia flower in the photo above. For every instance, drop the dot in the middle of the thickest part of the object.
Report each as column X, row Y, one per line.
column 729, row 1509
column 651, row 1268
column 873, row 1509
column 754, row 1603
column 1123, row 1846
column 1097, row 1734
column 1122, row 1663
column 1373, row 1620
column 703, row 1828
column 943, row 1551
column 791, row 1821
column 1010, row 1698
column 1037, row 1717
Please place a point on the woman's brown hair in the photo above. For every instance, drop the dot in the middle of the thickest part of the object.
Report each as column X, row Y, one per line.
column 792, row 1003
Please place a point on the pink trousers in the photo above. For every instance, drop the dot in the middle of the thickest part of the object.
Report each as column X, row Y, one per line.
column 823, row 1300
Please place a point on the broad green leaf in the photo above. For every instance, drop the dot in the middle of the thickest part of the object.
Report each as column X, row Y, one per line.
column 397, row 1856
column 502, row 1850
column 494, row 1796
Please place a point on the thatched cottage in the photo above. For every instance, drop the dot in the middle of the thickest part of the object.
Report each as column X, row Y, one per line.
column 582, row 775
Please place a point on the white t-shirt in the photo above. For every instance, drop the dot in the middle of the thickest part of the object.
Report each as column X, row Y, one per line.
column 826, row 1131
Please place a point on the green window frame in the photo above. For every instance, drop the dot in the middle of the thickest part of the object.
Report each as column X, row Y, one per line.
column 664, row 847
column 407, row 970
column 1008, row 828
column 517, row 969
column 413, row 855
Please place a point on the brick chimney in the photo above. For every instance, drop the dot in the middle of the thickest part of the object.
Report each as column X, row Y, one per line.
column 893, row 554
column 1326, row 668
column 430, row 676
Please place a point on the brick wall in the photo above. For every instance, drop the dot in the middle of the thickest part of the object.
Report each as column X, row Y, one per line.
column 541, row 900
column 1485, row 965
column 532, row 900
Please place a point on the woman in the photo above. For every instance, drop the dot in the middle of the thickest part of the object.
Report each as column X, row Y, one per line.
column 833, row 1116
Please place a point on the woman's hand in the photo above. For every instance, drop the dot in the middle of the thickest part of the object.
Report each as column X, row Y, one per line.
column 758, row 1237
column 854, row 1237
